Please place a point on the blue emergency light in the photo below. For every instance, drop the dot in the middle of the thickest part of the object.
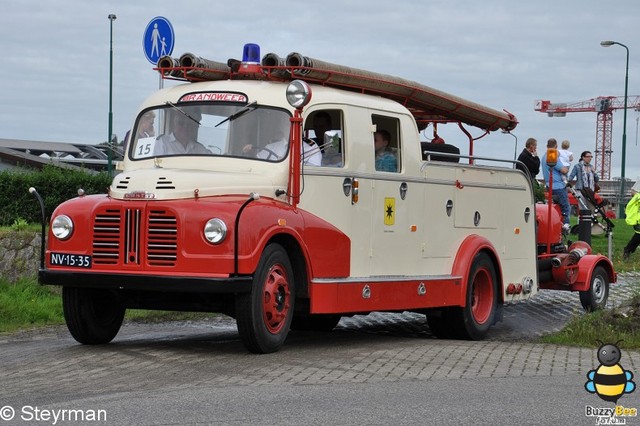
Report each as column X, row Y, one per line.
column 251, row 54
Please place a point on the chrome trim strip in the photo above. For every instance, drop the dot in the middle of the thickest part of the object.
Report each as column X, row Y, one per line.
column 383, row 279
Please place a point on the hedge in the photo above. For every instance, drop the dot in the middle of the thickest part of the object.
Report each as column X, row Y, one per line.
column 54, row 185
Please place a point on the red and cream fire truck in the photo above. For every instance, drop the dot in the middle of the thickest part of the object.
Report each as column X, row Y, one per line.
column 257, row 195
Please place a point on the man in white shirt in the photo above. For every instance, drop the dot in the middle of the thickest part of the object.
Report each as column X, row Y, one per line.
column 182, row 139
column 277, row 150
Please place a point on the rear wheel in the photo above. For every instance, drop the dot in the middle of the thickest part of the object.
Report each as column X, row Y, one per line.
column 93, row 316
column 596, row 296
column 264, row 315
column 472, row 322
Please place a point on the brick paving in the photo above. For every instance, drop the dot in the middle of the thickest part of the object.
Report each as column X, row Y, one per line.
column 48, row 366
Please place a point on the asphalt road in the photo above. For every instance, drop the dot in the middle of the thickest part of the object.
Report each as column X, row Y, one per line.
column 376, row 369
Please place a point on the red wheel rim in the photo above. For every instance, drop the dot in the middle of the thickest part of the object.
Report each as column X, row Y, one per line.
column 276, row 298
column 482, row 295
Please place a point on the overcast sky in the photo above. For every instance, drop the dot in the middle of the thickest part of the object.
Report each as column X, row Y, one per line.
column 502, row 54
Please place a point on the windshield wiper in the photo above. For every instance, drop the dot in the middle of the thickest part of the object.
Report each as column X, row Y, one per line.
column 174, row 106
column 237, row 114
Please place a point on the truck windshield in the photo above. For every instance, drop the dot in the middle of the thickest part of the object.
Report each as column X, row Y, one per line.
column 230, row 130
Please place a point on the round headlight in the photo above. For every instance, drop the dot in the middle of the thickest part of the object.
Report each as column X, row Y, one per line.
column 62, row 227
column 298, row 93
column 215, row 231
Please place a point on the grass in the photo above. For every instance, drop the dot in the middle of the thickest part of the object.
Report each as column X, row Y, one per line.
column 21, row 227
column 620, row 323
column 26, row 304
column 608, row 326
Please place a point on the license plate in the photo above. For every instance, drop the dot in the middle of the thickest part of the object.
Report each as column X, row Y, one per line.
column 73, row 260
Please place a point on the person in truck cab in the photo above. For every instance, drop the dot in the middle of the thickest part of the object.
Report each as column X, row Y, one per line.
column 330, row 146
column 145, row 129
column 182, row 138
column 386, row 159
column 277, row 149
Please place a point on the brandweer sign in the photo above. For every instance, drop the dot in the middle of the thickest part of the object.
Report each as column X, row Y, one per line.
column 214, row 96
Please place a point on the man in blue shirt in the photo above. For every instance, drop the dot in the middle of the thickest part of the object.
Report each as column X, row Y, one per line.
column 558, row 187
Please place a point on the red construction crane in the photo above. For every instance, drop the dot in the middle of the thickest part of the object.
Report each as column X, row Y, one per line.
column 604, row 106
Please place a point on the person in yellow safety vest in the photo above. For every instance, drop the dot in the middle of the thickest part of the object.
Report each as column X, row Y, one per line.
column 632, row 212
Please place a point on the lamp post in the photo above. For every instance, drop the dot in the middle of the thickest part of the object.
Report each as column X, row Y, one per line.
column 515, row 148
column 608, row 43
column 112, row 18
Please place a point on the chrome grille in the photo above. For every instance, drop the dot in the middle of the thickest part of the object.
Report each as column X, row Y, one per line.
column 132, row 231
column 162, row 238
column 106, row 237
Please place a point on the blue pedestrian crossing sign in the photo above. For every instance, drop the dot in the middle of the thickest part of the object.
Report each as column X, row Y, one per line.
column 158, row 39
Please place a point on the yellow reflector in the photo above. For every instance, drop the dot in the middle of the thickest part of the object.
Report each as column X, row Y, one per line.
column 413, row 228
column 282, row 222
column 516, row 231
column 389, row 211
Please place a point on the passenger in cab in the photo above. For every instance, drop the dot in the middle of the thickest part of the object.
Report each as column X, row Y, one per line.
column 386, row 159
column 330, row 146
column 182, row 139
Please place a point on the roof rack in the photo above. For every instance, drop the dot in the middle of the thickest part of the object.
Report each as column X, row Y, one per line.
column 425, row 103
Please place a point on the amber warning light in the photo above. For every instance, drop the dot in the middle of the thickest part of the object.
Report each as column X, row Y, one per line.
column 552, row 157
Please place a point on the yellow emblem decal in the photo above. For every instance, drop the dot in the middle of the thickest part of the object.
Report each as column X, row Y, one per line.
column 389, row 211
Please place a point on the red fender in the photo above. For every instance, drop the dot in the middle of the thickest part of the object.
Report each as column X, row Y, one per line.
column 471, row 245
column 586, row 266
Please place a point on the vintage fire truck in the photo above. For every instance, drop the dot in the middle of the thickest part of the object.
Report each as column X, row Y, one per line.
column 257, row 193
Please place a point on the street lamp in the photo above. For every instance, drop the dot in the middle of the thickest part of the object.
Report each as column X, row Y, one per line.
column 515, row 148
column 608, row 43
column 112, row 18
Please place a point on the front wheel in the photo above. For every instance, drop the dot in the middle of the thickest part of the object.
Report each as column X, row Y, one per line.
column 93, row 316
column 596, row 296
column 264, row 314
column 472, row 321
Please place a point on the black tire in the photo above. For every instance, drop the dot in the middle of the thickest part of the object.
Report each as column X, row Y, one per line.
column 93, row 316
column 314, row 322
column 264, row 315
column 596, row 296
column 473, row 321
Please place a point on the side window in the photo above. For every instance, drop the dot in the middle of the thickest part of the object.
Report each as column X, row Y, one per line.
column 323, row 131
column 386, row 143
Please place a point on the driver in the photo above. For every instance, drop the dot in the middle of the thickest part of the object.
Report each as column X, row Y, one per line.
column 277, row 149
column 182, row 139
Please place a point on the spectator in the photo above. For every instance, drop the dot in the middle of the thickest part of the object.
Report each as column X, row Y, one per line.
column 557, row 187
column 565, row 156
column 586, row 179
column 632, row 212
column 530, row 161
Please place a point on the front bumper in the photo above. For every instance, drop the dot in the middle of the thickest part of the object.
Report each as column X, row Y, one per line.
column 160, row 283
